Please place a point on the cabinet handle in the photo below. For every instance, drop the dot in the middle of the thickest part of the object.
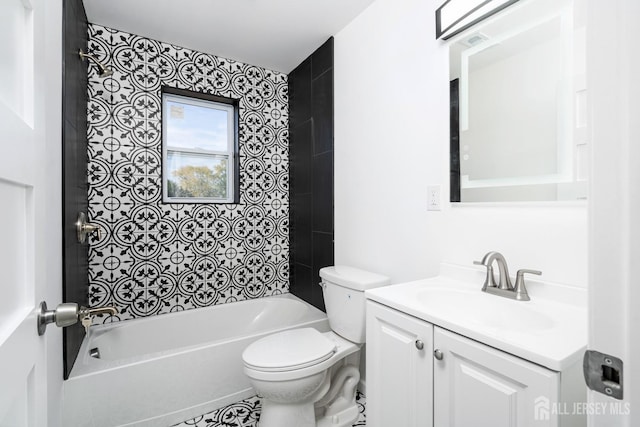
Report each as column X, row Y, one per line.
column 419, row 345
column 438, row 354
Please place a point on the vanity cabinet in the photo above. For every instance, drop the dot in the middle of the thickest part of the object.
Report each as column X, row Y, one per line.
column 399, row 369
column 477, row 385
column 419, row 374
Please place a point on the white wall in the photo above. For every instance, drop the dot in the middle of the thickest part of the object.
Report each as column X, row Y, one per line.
column 391, row 121
column 391, row 141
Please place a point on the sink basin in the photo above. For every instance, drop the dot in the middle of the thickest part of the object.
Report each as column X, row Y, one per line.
column 549, row 330
column 484, row 309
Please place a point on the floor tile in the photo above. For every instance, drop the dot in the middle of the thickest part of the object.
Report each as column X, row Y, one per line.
column 246, row 413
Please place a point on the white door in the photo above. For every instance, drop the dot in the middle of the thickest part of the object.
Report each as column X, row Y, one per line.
column 476, row 385
column 30, row 197
column 399, row 369
column 613, row 73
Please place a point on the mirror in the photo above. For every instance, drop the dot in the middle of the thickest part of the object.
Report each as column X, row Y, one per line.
column 518, row 106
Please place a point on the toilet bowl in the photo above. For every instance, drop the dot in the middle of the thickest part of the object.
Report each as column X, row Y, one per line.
column 291, row 371
column 306, row 378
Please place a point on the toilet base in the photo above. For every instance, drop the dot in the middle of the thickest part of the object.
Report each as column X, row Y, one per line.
column 344, row 418
column 321, row 395
column 336, row 408
column 289, row 415
column 303, row 415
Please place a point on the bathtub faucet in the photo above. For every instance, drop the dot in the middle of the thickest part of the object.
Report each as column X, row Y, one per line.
column 84, row 311
column 85, row 315
column 69, row 313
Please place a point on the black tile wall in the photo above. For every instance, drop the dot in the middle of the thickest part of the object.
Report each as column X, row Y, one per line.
column 300, row 287
column 300, row 80
column 322, row 190
column 322, row 256
column 74, row 166
column 302, row 157
column 322, row 112
column 311, row 172
column 157, row 258
column 301, row 211
column 322, row 59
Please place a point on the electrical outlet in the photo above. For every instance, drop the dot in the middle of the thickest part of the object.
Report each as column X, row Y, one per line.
column 433, row 198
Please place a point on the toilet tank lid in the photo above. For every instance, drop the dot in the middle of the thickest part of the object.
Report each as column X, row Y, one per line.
column 353, row 278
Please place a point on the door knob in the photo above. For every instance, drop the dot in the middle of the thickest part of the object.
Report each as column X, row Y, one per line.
column 64, row 315
column 438, row 354
column 419, row 345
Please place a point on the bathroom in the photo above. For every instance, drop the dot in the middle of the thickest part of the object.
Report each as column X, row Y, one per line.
column 385, row 54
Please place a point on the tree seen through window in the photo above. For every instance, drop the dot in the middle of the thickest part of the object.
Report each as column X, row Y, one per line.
column 198, row 182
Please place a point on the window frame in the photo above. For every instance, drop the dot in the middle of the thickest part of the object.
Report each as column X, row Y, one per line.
column 230, row 105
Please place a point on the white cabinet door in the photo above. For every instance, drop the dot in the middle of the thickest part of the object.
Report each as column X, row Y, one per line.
column 477, row 385
column 399, row 369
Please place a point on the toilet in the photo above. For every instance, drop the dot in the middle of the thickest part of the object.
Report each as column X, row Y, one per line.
column 307, row 378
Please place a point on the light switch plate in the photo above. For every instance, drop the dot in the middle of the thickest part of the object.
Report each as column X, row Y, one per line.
column 433, row 198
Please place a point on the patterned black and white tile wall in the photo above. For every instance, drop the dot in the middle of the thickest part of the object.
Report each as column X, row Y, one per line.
column 155, row 258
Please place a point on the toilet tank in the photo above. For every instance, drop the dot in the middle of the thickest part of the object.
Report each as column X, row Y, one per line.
column 343, row 290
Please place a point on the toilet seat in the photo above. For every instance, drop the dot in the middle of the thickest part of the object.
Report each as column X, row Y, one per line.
column 289, row 350
column 343, row 349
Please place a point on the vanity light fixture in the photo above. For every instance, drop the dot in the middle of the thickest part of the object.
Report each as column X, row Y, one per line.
column 455, row 16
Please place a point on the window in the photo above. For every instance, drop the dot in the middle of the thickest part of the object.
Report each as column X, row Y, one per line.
column 199, row 148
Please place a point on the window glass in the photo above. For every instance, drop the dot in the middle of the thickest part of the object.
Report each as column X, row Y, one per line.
column 196, row 175
column 196, row 127
column 199, row 149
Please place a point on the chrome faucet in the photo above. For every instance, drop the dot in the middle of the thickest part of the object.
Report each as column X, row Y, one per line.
column 85, row 315
column 504, row 282
column 87, row 312
column 68, row 314
column 504, row 288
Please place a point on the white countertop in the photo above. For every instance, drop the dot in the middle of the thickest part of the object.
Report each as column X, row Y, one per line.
column 550, row 330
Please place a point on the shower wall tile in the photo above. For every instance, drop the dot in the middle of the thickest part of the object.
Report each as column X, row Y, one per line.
column 155, row 258
column 301, row 241
column 301, row 156
column 311, row 172
column 322, row 112
column 322, row 189
column 300, row 81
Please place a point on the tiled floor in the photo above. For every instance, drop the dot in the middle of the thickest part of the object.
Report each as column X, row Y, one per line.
column 246, row 414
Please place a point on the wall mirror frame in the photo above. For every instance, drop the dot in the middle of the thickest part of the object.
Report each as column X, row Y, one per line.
column 518, row 106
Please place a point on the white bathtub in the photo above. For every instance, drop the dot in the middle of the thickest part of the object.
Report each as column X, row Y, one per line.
column 166, row 369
